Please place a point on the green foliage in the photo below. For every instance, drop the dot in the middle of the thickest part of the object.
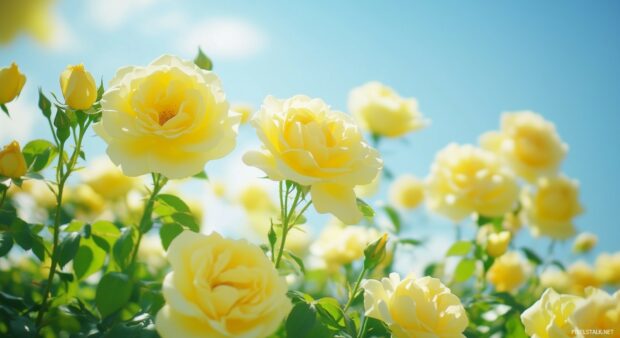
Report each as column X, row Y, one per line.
column 113, row 292
column 203, row 61
column 460, row 248
column 39, row 154
column 366, row 209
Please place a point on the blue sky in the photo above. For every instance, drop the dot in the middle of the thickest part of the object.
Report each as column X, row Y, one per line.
column 465, row 61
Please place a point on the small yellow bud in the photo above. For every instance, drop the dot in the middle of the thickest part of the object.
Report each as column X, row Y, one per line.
column 497, row 243
column 78, row 87
column 11, row 83
column 375, row 252
column 12, row 162
column 584, row 242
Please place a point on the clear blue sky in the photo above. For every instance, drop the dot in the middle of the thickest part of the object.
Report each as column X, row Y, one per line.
column 465, row 61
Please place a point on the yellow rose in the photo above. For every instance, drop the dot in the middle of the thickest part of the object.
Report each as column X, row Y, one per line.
column 12, row 162
column 465, row 179
column 549, row 316
column 497, row 243
column 598, row 315
column 306, row 142
column 581, row 276
column 584, row 242
column 338, row 245
column 78, row 87
column 407, row 192
column 108, row 180
column 415, row 307
column 31, row 16
column 555, row 279
column 370, row 189
column 169, row 117
column 508, row 272
column 12, row 81
column 88, row 203
column 608, row 268
column 380, row 110
column 220, row 288
column 549, row 211
column 254, row 197
column 528, row 143
column 244, row 109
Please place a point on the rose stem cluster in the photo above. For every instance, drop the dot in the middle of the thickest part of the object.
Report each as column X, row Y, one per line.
column 287, row 215
column 64, row 169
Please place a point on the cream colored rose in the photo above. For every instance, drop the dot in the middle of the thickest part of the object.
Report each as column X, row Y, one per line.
column 108, row 180
column 497, row 243
column 550, row 208
column 380, row 110
column 169, row 117
column 465, row 180
column 549, row 316
column 244, row 109
column 555, row 279
column 598, row 315
column 528, row 143
column 508, row 272
column 608, row 268
column 581, row 276
column 415, row 307
column 407, row 192
column 584, row 242
column 307, row 142
column 255, row 198
column 338, row 245
column 220, row 288
column 369, row 190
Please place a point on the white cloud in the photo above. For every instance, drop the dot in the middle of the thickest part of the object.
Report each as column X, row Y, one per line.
column 224, row 38
column 111, row 14
column 19, row 126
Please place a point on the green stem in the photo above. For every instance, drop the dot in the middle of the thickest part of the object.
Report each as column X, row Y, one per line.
column 286, row 218
column 3, row 196
column 355, row 289
column 364, row 327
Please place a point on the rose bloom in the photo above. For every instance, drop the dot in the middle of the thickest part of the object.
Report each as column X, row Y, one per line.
column 415, row 307
column 78, row 87
column 244, row 109
column 169, row 117
column 550, row 208
column 601, row 312
column 380, row 110
column 369, row 190
column 584, row 242
column 12, row 162
column 465, row 180
column 12, row 83
column 555, row 279
column 581, row 276
column 407, row 192
column 528, row 143
column 608, row 268
column 549, row 316
column 338, row 245
column 108, row 180
column 220, row 288
column 508, row 272
column 306, row 142
column 497, row 243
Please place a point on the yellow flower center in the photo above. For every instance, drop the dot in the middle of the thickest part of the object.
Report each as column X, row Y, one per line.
column 166, row 115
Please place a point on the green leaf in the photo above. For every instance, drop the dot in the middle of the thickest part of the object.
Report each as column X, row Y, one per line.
column 201, row 175
column 105, row 234
column 514, row 327
column 39, row 154
column 123, row 248
column 89, row 259
column 45, row 105
column 6, row 243
column 460, row 248
column 21, row 234
column 62, row 124
column 464, row 270
column 366, row 209
column 203, row 61
column 301, row 320
column 5, row 110
column 410, row 241
column 186, row 220
column 68, row 248
column 168, row 232
column 113, row 292
column 532, row 256
column 394, row 217
column 173, row 202
column 297, row 259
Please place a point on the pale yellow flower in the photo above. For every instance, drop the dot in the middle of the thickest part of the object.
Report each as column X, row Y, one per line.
column 508, row 272
column 12, row 81
column 465, row 180
column 307, row 142
column 497, row 243
column 608, row 268
column 581, row 276
column 169, row 117
column 88, row 203
column 78, row 87
column 41, row 194
column 255, row 198
column 338, row 245
column 407, row 192
column 220, row 288
column 244, row 109
column 528, row 143
column 108, row 180
column 549, row 210
column 549, row 316
column 415, row 307
column 584, row 242
column 218, row 188
column 12, row 162
column 370, row 189
column 555, row 279
column 598, row 315
column 28, row 16
column 380, row 110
